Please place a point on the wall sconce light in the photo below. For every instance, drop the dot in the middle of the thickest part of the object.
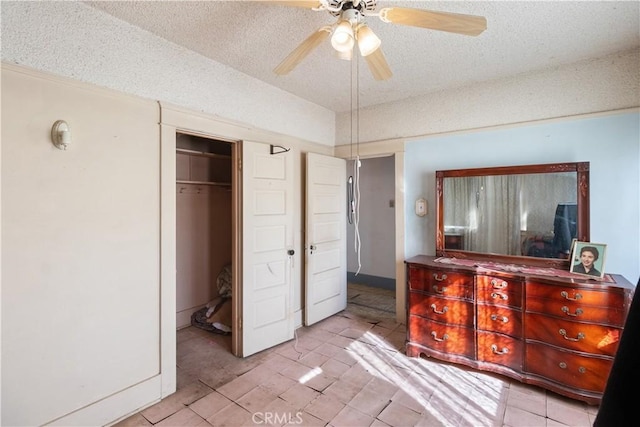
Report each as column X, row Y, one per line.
column 61, row 134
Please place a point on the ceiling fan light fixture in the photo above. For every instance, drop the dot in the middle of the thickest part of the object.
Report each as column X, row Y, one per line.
column 351, row 27
column 342, row 38
column 368, row 42
column 347, row 55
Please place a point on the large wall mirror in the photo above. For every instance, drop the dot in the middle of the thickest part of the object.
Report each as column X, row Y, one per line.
column 527, row 214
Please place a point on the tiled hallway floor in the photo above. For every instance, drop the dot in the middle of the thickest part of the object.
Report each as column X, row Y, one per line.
column 348, row 370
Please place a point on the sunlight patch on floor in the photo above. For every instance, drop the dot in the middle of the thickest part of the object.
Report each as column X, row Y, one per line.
column 442, row 390
column 310, row 375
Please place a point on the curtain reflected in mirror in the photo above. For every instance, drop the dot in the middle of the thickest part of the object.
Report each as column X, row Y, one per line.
column 519, row 214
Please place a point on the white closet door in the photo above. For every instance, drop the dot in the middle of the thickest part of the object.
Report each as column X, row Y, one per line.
column 267, row 239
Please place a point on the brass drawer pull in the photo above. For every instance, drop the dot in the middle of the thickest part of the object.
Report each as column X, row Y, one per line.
column 581, row 369
column 495, row 350
column 444, row 310
column 435, row 337
column 564, row 335
column 438, row 290
column 565, row 295
column 498, row 284
column 503, row 319
column 499, row 295
column 565, row 309
column 441, row 278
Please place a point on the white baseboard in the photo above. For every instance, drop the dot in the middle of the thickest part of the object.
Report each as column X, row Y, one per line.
column 183, row 318
column 115, row 407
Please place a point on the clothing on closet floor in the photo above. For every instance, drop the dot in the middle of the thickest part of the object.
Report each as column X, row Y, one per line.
column 216, row 316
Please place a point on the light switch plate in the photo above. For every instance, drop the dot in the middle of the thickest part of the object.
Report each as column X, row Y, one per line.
column 421, row 207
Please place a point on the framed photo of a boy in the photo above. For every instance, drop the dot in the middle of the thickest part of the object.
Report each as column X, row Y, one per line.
column 588, row 258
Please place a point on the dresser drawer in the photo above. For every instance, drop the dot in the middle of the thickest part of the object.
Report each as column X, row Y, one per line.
column 604, row 298
column 443, row 283
column 567, row 368
column 575, row 310
column 444, row 338
column 500, row 349
column 493, row 290
column 585, row 337
column 456, row 311
column 500, row 319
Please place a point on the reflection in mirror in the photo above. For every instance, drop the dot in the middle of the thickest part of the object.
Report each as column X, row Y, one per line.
column 526, row 214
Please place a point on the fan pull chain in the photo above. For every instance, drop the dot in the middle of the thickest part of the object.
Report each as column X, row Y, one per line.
column 355, row 204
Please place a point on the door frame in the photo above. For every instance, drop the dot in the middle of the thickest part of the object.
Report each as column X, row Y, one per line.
column 175, row 120
column 384, row 149
column 168, row 252
column 236, row 245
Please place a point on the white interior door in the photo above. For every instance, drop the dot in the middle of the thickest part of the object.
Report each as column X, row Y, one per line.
column 325, row 243
column 267, row 239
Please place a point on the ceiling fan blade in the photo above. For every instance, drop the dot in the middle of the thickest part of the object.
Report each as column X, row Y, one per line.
column 299, row 53
column 469, row 25
column 378, row 65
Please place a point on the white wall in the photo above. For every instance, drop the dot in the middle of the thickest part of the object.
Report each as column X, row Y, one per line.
column 377, row 219
column 611, row 143
column 605, row 84
column 81, row 240
column 71, row 39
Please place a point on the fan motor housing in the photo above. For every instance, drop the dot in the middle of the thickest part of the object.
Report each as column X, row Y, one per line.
column 342, row 5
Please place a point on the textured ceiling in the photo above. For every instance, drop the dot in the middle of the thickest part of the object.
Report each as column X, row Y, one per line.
column 521, row 37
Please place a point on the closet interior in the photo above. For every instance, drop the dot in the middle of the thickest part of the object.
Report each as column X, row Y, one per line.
column 203, row 232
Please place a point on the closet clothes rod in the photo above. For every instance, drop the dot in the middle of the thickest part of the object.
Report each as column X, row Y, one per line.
column 202, row 153
column 219, row 184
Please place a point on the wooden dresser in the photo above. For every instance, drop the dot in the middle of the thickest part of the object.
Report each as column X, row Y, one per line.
column 559, row 333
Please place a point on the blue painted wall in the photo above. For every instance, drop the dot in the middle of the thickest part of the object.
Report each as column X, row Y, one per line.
column 611, row 144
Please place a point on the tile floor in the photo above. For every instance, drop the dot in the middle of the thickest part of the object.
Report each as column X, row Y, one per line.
column 348, row 370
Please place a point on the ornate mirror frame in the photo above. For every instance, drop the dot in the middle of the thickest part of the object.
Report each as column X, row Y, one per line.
column 582, row 170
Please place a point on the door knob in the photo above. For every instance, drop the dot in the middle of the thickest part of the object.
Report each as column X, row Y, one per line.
column 291, row 252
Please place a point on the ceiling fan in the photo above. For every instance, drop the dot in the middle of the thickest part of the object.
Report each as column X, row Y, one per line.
column 350, row 28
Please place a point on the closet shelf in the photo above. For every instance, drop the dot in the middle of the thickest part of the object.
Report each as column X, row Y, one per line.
column 202, row 154
column 220, row 184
